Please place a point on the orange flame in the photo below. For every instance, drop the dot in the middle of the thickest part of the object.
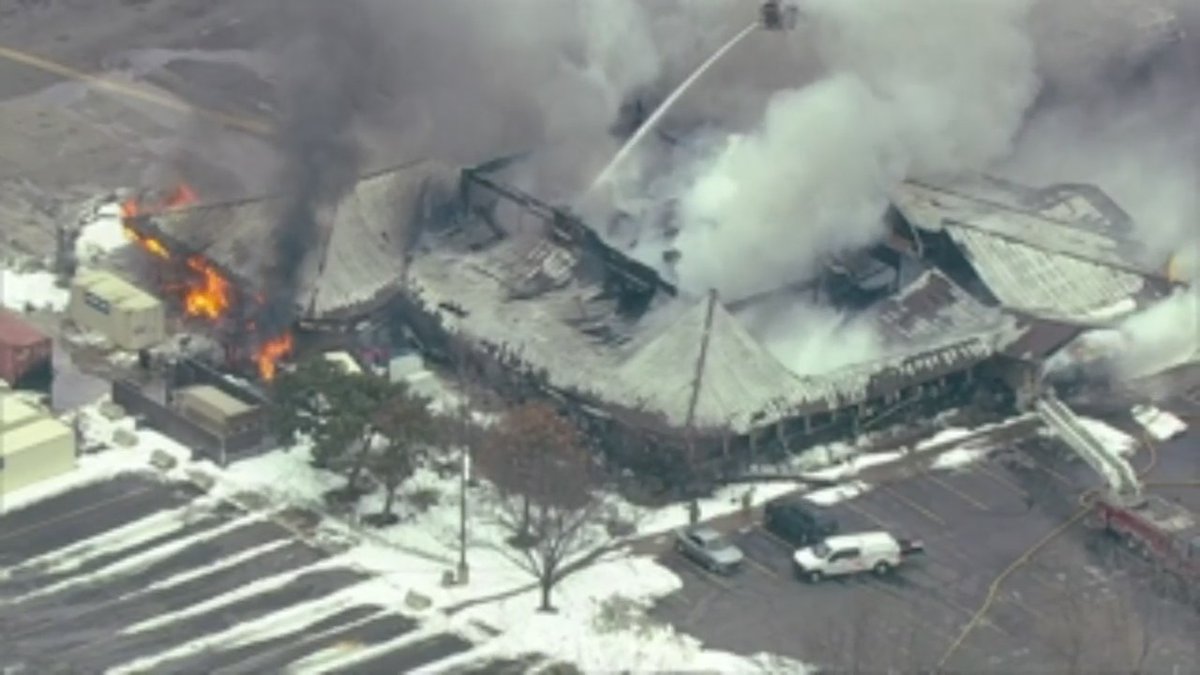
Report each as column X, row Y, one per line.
column 181, row 197
column 209, row 298
column 154, row 246
column 130, row 208
column 270, row 353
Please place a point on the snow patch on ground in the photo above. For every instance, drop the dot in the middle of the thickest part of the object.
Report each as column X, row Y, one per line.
column 838, row 493
column 101, row 235
column 725, row 501
column 37, row 290
column 947, row 436
column 599, row 634
column 73, row 556
column 958, row 458
column 1160, row 424
column 1110, row 437
column 601, row 620
column 95, row 468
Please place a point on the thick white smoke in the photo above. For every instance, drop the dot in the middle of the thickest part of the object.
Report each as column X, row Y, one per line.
column 810, row 339
column 1163, row 336
column 1131, row 128
column 907, row 93
column 1123, row 113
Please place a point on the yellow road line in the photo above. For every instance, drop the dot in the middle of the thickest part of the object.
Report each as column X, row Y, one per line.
column 914, row 506
column 1085, row 500
column 994, row 587
column 71, row 514
column 956, row 492
column 133, row 91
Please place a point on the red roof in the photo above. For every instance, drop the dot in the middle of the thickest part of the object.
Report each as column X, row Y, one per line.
column 15, row 331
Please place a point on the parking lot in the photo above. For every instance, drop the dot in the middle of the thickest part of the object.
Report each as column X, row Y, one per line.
column 1079, row 604
column 170, row 572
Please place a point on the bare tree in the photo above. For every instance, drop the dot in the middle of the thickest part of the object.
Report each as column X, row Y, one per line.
column 547, row 495
column 518, row 451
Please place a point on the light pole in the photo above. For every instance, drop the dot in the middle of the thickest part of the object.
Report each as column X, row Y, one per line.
column 464, row 479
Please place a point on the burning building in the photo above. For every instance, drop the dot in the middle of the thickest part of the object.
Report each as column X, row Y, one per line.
column 1063, row 253
column 543, row 297
column 216, row 259
column 974, row 287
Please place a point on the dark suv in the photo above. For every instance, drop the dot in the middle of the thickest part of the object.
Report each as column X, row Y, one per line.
column 798, row 522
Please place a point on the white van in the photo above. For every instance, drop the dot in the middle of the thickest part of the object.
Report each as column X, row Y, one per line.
column 877, row 552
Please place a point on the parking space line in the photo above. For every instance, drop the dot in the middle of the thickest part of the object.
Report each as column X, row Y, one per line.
column 914, row 506
column 1002, row 480
column 698, row 609
column 72, row 514
column 702, row 573
column 956, row 492
column 874, row 586
column 717, row 580
column 776, row 538
column 1058, row 476
column 763, row 568
column 1026, row 607
column 867, row 514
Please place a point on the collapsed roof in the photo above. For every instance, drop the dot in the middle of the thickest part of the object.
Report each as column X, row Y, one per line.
column 357, row 259
column 1063, row 253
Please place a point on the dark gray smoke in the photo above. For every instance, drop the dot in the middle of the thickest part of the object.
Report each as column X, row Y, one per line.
column 329, row 81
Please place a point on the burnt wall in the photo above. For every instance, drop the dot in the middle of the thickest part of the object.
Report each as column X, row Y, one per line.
column 179, row 428
column 190, row 372
column 623, row 275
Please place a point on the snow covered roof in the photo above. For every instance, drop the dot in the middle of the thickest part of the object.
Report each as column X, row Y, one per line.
column 931, row 309
column 1049, row 285
column 1060, row 253
column 1079, row 221
column 739, row 378
column 359, row 256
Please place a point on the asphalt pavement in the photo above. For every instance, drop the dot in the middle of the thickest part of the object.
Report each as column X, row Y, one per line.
column 78, row 593
column 1076, row 602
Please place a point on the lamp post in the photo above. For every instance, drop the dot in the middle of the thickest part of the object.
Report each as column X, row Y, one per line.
column 464, row 479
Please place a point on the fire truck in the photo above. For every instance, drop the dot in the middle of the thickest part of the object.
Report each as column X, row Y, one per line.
column 1162, row 531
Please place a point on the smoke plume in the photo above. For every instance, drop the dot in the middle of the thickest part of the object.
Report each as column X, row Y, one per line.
column 1123, row 113
column 904, row 95
column 827, row 341
column 329, row 82
column 459, row 81
column 1132, row 128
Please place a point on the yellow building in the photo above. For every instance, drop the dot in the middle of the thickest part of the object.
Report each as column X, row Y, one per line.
column 128, row 316
column 34, row 446
column 217, row 411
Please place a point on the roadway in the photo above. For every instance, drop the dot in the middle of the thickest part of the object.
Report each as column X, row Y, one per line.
column 1076, row 604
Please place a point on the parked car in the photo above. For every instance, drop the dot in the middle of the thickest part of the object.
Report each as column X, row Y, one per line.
column 877, row 552
column 798, row 522
column 709, row 549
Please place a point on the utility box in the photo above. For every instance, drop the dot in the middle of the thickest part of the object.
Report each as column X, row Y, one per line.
column 34, row 446
column 126, row 315
column 218, row 412
column 24, row 350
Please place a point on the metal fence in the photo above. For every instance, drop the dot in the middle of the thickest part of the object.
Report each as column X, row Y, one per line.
column 161, row 417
